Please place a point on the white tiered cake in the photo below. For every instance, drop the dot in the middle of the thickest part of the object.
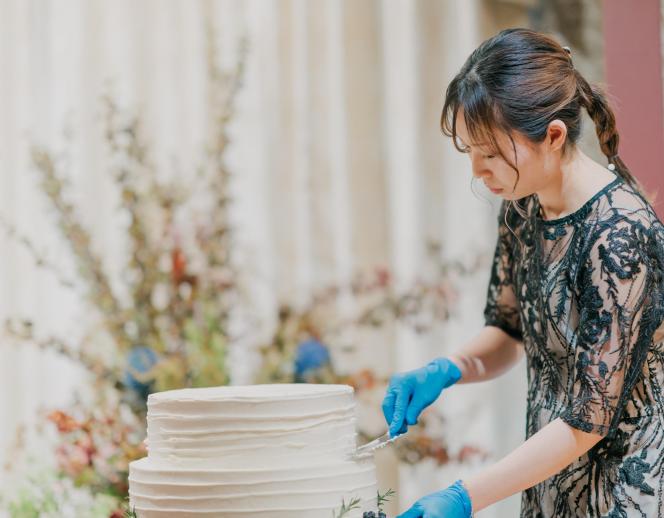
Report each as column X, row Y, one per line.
column 251, row 451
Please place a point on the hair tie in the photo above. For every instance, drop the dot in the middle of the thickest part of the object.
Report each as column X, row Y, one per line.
column 569, row 53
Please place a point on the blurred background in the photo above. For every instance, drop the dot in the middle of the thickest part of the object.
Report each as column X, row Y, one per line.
column 198, row 193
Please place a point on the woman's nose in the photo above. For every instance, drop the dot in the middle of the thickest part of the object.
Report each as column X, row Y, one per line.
column 479, row 168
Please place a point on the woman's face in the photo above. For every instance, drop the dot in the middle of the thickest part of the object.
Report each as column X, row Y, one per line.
column 533, row 161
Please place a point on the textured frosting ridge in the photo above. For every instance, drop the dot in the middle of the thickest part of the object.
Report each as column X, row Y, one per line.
column 256, row 450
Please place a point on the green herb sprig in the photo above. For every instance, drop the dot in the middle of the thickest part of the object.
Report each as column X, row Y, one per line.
column 384, row 498
column 345, row 508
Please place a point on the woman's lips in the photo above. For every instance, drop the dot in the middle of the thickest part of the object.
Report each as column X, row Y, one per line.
column 495, row 191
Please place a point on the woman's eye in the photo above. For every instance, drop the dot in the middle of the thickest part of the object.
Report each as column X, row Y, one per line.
column 490, row 156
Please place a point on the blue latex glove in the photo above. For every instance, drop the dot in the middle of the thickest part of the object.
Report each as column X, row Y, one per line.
column 453, row 502
column 411, row 392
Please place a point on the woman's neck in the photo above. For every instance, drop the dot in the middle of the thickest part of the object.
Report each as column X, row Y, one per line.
column 578, row 179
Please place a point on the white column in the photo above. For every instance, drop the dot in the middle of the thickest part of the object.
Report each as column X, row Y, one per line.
column 301, row 152
column 338, row 151
column 401, row 108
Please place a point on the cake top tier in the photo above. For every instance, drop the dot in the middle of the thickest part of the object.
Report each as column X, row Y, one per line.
column 252, row 425
column 279, row 391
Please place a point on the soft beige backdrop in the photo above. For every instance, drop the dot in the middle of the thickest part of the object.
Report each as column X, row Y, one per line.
column 337, row 157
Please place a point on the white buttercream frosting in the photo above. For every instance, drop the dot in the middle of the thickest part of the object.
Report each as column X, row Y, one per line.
column 257, row 450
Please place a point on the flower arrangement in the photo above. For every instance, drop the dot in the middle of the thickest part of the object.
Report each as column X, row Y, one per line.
column 302, row 346
column 172, row 330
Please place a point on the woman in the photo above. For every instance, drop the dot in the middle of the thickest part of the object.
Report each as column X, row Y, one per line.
column 576, row 286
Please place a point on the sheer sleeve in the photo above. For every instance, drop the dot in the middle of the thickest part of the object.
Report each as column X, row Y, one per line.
column 619, row 310
column 501, row 309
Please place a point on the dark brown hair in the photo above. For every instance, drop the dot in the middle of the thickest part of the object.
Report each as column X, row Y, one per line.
column 520, row 80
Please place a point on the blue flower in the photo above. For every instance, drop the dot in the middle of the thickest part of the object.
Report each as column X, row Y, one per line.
column 310, row 355
column 139, row 361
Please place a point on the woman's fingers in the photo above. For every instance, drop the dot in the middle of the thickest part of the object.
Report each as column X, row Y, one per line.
column 404, row 393
column 412, row 414
column 388, row 405
column 417, row 404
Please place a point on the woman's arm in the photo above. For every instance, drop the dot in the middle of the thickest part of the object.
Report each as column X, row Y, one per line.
column 543, row 455
column 488, row 355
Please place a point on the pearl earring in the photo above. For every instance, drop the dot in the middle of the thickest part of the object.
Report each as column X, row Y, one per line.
column 612, row 167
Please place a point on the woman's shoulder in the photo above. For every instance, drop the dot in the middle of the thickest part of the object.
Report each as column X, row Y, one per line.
column 625, row 226
column 624, row 206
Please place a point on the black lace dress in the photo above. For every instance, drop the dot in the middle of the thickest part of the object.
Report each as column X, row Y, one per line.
column 585, row 295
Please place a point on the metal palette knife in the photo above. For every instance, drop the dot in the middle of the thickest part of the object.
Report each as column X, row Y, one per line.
column 369, row 448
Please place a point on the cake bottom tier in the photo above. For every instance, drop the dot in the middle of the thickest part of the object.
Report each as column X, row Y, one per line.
column 163, row 491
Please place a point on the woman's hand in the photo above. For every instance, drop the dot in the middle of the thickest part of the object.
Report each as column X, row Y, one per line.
column 411, row 392
column 453, row 502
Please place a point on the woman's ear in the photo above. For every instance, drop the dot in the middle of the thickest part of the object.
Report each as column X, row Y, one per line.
column 556, row 135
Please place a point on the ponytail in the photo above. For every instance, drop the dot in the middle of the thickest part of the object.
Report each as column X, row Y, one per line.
column 594, row 100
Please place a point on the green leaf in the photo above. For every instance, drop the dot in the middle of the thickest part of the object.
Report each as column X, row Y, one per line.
column 346, row 508
column 385, row 497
